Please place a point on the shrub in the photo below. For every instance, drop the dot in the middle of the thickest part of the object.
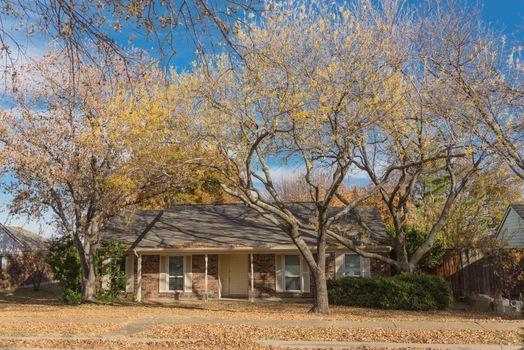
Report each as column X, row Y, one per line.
column 71, row 296
column 407, row 291
column 109, row 260
column 64, row 260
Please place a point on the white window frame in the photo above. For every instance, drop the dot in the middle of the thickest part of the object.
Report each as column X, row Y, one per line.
column 345, row 274
column 168, row 273
column 284, row 274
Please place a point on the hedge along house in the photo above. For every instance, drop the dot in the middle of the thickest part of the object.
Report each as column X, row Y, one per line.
column 230, row 250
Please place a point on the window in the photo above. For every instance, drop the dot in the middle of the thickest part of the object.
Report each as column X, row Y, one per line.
column 176, row 273
column 3, row 262
column 292, row 272
column 351, row 265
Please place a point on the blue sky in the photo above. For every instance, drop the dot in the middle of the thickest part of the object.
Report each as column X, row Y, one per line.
column 506, row 16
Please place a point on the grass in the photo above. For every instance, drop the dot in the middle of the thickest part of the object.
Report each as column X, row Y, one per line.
column 48, row 293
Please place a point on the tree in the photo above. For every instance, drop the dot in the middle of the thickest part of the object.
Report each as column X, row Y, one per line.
column 85, row 28
column 453, row 89
column 292, row 187
column 484, row 74
column 304, row 92
column 477, row 212
column 82, row 150
column 508, row 265
column 29, row 267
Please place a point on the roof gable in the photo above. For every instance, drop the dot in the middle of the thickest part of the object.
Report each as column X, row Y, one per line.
column 20, row 240
column 511, row 227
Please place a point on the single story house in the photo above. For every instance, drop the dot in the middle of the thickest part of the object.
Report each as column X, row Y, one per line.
column 511, row 229
column 14, row 240
column 230, row 250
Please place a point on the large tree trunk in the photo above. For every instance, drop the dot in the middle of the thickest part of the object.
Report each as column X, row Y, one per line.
column 403, row 264
column 321, row 304
column 87, row 256
column 317, row 266
column 89, row 278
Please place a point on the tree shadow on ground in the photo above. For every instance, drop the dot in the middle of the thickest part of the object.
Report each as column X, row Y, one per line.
column 48, row 294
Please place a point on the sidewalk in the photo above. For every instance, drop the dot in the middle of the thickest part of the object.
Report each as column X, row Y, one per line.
column 494, row 326
column 356, row 345
column 149, row 320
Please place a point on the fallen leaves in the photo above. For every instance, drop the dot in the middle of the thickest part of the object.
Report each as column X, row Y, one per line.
column 233, row 334
column 68, row 329
column 239, row 310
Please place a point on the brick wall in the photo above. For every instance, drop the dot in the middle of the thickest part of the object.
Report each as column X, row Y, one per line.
column 150, row 270
column 198, row 269
column 264, row 274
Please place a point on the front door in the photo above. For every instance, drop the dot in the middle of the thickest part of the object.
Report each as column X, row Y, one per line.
column 234, row 274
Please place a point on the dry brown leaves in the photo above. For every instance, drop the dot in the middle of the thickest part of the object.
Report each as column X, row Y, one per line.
column 238, row 310
column 231, row 335
column 67, row 329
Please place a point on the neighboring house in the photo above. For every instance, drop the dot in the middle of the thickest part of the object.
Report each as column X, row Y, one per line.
column 14, row 240
column 230, row 250
column 511, row 229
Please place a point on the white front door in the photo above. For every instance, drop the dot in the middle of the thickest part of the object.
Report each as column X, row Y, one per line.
column 234, row 274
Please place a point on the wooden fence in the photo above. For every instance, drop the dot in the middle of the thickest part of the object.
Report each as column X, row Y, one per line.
column 470, row 273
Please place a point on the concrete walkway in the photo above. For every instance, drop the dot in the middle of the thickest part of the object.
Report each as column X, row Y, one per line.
column 495, row 326
column 356, row 345
column 150, row 320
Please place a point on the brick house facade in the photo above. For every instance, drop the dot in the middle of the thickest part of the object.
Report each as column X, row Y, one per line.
column 262, row 283
column 220, row 251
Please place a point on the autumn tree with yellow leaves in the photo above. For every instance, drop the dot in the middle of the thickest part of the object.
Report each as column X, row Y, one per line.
column 310, row 81
column 80, row 147
column 363, row 86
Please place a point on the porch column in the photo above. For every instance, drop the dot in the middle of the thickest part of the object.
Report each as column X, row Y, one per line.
column 205, row 277
column 139, row 278
column 252, row 276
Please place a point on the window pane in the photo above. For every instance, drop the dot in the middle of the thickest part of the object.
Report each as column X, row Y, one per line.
column 176, row 283
column 176, row 266
column 176, row 273
column 292, row 272
column 292, row 283
column 292, row 268
column 352, row 265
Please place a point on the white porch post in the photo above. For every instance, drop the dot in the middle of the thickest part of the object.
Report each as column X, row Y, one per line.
column 252, row 276
column 205, row 277
column 139, row 278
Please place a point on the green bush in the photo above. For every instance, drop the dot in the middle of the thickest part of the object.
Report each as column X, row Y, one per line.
column 64, row 261
column 111, row 256
column 71, row 296
column 407, row 292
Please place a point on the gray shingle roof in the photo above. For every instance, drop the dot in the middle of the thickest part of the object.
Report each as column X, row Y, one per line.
column 226, row 225
column 28, row 240
column 519, row 208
